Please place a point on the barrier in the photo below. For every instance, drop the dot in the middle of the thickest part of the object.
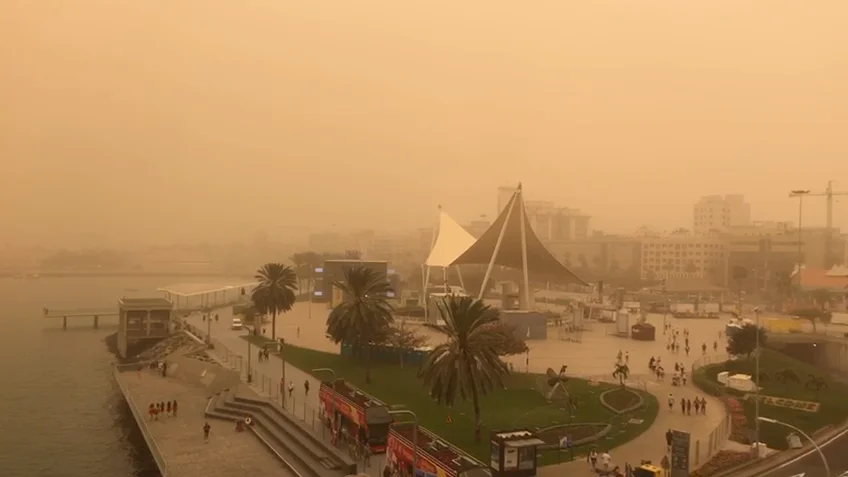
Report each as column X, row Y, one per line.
column 142, row 423
column 704, row 451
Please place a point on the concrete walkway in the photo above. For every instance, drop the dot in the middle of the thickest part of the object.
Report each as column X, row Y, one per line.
column 593, row 357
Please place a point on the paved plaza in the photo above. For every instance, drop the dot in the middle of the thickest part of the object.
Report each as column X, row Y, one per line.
column 180, row 439
column 593, row 357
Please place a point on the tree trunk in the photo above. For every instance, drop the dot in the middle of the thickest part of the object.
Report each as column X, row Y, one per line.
column 274, row 326
column 475, row 399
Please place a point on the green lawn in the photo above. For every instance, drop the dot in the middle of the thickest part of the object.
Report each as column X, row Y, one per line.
column 521, row 404
column 834, row 404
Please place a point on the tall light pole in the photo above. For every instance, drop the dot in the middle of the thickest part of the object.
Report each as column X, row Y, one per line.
column 800, row 193
column 757, row 378
column 799, row 431
column 249, row 377
column 333, row 411
column 414, row 435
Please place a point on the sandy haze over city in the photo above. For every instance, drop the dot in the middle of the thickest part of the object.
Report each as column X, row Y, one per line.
column 129, row 122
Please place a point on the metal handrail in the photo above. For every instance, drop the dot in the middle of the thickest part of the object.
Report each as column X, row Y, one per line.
column 142, row 424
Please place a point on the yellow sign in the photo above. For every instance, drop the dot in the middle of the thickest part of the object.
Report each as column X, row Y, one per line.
column 777, row 325
column 796, row 404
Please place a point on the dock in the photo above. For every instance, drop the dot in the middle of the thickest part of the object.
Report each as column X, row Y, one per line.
column 93, row 314
column 177, row 443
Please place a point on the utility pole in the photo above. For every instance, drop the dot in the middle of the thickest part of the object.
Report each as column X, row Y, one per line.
column 800, row 193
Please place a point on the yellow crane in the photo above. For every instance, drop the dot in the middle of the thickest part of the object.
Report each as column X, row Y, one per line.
column 828, row 194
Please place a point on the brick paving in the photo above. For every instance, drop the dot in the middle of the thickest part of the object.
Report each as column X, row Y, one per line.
column 180, row 439
column 592, row 357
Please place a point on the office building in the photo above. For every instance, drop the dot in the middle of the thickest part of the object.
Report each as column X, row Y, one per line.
column 716, row 214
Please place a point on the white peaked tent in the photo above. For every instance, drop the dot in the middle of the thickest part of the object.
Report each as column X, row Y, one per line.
column 449, row 242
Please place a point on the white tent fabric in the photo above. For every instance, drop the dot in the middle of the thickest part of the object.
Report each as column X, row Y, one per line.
column 452, row 241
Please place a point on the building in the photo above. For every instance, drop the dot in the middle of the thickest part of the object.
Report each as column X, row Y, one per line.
column 477, row 227
column 549, row 221
column 607, row 255
column 142, row 320
column 684, row 256
column 333, row 271
column 768, row 228
column 714, row 213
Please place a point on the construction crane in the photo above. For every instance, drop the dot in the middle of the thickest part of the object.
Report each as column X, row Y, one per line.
column 828, row 240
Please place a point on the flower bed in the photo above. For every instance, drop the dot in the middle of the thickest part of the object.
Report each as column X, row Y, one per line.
column 721, row 462
column 621, row 400
column 581, row 434
column 738, row 421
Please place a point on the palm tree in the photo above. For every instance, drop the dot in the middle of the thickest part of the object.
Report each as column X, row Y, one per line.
column 622, row 371
column 275, row 292
column 787, row 376
column 467, row 364
column 364, row 314
column 816, row 383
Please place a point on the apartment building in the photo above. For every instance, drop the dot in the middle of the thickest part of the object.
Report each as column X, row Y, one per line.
column 684, row 256
column 549, row 222
column 715, row 213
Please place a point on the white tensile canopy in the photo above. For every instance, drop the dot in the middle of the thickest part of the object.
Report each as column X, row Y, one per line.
column 451, row 242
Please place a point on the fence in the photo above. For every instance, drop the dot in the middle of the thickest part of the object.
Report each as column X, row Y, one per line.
column 703, row 451
column 139, row 418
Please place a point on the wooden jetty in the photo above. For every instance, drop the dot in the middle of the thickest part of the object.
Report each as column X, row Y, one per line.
column 91, row 313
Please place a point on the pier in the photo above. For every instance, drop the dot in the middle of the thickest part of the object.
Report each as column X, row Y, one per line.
column 93, row 314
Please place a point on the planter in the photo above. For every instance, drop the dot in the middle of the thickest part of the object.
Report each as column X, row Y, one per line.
column 582, row 433
column 612, row 399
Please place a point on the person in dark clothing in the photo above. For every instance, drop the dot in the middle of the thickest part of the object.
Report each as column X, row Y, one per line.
column 689, row 407
column 306, row 387
column 703, row 406
column 668, row 437
column 206, row 429
column 683, row 405
column 168, row 408
column 174, row 407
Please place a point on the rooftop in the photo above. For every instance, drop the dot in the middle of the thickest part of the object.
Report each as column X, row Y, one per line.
column 352, row 394
column 199, row 288
column 145, row 303
column 437, row 449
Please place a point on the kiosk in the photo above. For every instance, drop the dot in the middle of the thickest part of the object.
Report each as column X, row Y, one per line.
column 514, row 453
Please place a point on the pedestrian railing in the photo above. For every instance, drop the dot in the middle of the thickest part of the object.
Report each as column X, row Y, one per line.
column 139, row 417
column 702, row 451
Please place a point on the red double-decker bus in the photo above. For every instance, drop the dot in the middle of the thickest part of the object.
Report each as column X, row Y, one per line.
column 365, row 419
column 436, row 458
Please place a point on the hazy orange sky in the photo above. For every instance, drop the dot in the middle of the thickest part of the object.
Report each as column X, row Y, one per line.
column 154, row 121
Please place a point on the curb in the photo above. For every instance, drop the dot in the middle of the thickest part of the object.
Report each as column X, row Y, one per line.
column 761, row 466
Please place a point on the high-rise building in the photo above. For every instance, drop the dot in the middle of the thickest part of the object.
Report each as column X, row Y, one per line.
column 549, row 222
column 684, row 256
column 714, row 213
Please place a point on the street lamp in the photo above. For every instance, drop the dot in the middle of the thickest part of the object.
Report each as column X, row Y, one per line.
column 414, row 435
column 799, row 431
column 799, row 193
column 249, row 377
column 333, row 411
column 757, row 378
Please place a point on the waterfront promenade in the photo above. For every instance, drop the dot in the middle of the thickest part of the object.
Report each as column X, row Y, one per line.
column 592, row 358
column 177, row 443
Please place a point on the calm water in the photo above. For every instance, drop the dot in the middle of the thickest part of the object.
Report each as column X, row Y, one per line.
column 60, row 412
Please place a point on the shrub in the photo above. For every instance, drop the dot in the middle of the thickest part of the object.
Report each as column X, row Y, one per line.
column 722, row 461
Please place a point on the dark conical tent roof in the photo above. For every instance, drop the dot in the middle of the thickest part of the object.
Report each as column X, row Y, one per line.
column 540, row 262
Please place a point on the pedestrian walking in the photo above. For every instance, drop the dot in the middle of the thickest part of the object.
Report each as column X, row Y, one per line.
column 668, row 438
column 683, row 406
column 704, row 348
column 593, row 459
column 670, row 402
column 151, row 410
column 306, row 388
column 715, row 346
column 688, row 407
column 168, row 408
column 703, row 405
column 291, row 388
column 687, row 351
column 206, row 429
column 627, row 357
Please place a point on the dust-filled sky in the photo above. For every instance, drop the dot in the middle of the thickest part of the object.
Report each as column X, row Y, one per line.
column 132, row 121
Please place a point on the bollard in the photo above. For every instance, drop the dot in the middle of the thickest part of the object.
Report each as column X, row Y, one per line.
column 64, row 322
column 95, row 321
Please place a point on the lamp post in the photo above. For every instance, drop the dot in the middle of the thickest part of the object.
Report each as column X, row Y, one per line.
column 249, row 376
column 333, row 411
column 310, row 287
column 414, row 435
column 757, row 377
column 799, row 193
column 799, row 431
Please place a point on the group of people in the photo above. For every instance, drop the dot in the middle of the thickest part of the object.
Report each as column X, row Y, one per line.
column 673, row 346
column 157, row 409
column 700, row 405
column 264, row 354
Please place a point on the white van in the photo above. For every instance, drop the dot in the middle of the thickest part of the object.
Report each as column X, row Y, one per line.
column 237, row 324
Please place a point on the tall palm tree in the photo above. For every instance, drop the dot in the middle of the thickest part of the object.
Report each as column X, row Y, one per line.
column 276, row 291
column 364, row 314
column 468, row 364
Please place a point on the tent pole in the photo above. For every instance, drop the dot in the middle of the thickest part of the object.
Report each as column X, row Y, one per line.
column 425, row 270
column 445, row 278
column 497, row 247
column 524, row 256
column 459, row 274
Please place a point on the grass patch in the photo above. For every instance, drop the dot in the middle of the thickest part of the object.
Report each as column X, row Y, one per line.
column 834, row 405
column 520, row 404
column 621, row 399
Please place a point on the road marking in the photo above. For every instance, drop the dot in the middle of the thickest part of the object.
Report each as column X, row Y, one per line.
column 802, row 474
column 805, row 454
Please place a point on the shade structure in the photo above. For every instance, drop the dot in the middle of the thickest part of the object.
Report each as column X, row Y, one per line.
column 510, row 242
column 451, row 242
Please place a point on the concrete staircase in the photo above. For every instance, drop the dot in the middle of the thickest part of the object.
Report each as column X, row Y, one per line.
column 297, row 446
